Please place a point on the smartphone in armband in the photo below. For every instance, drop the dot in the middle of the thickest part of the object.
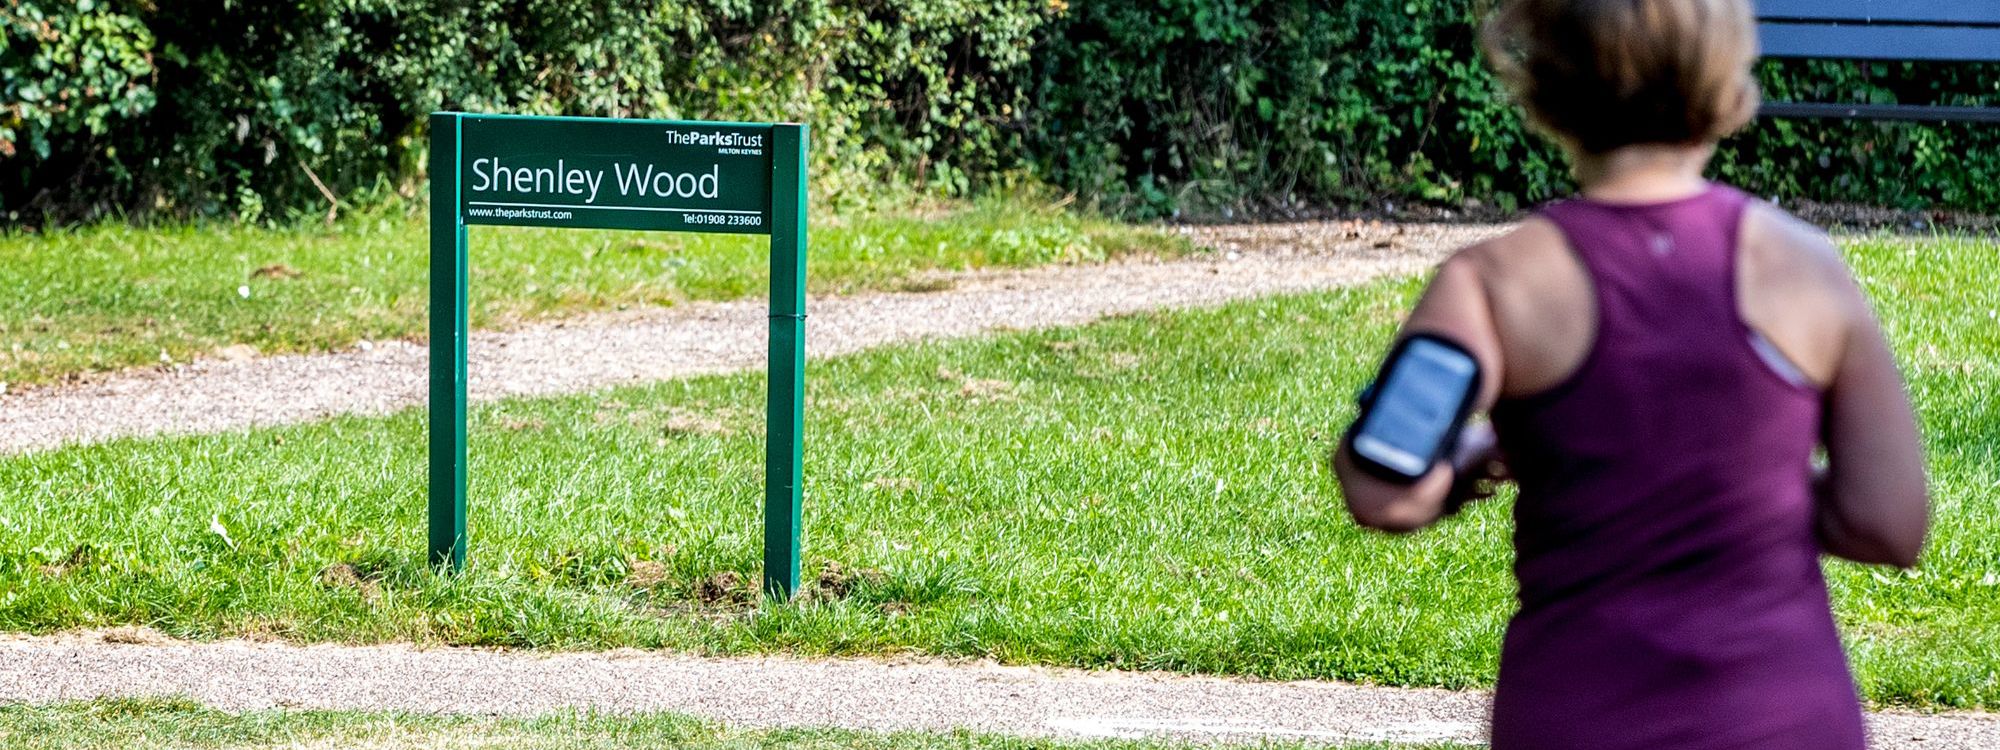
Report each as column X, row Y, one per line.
column 1411, row 416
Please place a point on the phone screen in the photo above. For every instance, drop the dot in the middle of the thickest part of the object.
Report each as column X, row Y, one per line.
column 1416, row 406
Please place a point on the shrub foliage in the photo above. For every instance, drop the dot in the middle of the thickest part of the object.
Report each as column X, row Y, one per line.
column 1211, row 104
column 269, row 111
column 245, row 109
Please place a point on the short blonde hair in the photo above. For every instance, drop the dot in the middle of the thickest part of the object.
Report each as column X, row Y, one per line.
column 1603, row 74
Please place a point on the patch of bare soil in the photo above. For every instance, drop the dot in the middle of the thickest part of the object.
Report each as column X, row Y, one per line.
column 928, row 283
column 646, row 574
column 837, row 581
column 276, row 271
column 343, row 576
column 726, row 588
column 132, row 635
column 977, row 390
column 82, row 556
column 686, row 422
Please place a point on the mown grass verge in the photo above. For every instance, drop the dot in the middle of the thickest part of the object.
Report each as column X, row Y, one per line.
column 157, row 723
column 1141, row 493
column 116, row 296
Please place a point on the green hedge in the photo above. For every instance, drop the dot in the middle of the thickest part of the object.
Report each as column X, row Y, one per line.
column 207, row 109
column 235, row 108
column 1210, row 105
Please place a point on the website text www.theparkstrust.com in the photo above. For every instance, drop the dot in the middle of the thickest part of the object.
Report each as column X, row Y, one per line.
column 520, row 213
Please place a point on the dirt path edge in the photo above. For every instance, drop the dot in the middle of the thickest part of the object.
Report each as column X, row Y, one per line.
column 784, row 691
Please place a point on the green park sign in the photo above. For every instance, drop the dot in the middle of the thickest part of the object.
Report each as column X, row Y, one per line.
column 652, row 175
column 616, row 174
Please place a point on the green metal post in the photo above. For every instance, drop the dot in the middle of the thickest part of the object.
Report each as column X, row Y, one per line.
column 785, row 403
column 448, row 329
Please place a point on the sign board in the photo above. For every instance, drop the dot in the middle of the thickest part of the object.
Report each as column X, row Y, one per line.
column 616, row 174
column 651, row 175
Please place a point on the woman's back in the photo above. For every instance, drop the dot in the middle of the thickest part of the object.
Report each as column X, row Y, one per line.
column 1666, row 555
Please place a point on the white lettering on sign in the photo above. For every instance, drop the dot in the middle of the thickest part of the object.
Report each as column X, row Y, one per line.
column 659, row 182
column 689, row 138
column 491, row 176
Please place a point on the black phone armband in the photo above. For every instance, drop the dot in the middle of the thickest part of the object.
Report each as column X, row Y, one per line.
column 1411, row 415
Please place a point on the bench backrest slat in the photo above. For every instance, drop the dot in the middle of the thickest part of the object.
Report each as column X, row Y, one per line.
column 1939, row 12
column 1929, row 30
column 1941, row 43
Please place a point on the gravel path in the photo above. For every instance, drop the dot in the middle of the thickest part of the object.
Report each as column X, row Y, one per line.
column 702, row 338
column 779, row 691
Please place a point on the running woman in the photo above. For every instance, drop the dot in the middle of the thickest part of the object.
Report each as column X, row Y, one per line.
column 1662, row 358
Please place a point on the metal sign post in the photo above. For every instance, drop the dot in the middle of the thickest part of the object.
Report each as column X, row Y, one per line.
column 649, row 175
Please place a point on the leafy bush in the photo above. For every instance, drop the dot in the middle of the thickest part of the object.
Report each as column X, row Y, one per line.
column 1214, row 105
column 263, row 110
column 65, row 76
column 277, row 111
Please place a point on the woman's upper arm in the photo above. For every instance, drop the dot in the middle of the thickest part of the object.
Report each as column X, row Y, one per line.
column 1875, row 482
column 1454, row 306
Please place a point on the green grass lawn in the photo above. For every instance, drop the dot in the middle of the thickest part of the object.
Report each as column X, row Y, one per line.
column 149, row 724
column 1141, row 493
column 115, row 296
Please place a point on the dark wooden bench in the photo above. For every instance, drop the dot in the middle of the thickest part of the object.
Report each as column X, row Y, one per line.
column 1881, row 30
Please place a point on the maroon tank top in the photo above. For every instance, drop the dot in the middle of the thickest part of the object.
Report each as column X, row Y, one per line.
column 1670, row 588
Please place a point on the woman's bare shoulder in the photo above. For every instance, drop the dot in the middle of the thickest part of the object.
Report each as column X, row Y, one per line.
column 1540, row 300
column 1770, row 228
column 1794, row 288
column 1523, row 259
column 1786, row 255
column 1521, row 252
